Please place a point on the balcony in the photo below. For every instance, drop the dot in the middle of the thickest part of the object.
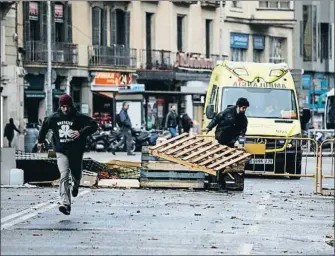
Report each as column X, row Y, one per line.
column 184, row 3
column 117, row 56
column 196, row 61
column 210, row 4
column 64, row 54
column 156, row 60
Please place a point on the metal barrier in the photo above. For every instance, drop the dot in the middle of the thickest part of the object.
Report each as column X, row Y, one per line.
column 329, row 158
column 280, row 156
column 314, row 133
column 275, row 156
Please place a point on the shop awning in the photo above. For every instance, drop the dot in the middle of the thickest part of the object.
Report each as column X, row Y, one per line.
column 106, row 94
column 57, row 93
column 163, row 93
column 34, row 94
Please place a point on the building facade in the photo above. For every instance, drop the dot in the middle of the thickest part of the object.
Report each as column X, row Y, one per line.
column 150, row 53
column 314, row 53
column 11, row 73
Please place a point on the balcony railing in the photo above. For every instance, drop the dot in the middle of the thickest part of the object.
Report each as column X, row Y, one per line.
column 190, row 60
column 210, row 4
column 112, row 56
column 167, row 60
column 61, row 53
column 156, row 59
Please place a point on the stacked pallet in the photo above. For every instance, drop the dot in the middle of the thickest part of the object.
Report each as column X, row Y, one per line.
column 197, row 152
column 159, row 173
column 203, row 154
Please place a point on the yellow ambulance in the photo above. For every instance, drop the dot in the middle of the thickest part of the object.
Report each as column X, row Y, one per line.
column 273, row 112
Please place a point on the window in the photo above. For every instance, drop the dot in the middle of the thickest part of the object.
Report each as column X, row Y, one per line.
column 324, row 41
column 257, row 56
column 180, row 34
column 330, row 112
column 263, row 4
column 208, row 37
column 275, row 4
column 213, row 95
column 277, row 50
column 307, row 32
column 148, row 30
column 264, row 103
column 59, row 22
column 284, row 5
column 314, row 22
column 119, row 26
column 99, row 26
column 259, row 45
column 236, row 4
column 238, row 54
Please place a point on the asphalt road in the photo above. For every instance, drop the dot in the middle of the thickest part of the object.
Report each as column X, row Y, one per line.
column 272, row 216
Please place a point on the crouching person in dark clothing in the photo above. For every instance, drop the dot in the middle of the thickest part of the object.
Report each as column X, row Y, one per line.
column 230, row 124
column 126, row 128
column 70, row 129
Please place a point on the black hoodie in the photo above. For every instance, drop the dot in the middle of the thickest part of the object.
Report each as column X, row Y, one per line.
column 62, row 126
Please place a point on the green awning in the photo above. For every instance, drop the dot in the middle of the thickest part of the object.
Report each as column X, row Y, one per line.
column 34, row 94
column 57, row 93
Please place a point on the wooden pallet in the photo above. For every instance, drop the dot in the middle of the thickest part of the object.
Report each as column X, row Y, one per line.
column 200, row 153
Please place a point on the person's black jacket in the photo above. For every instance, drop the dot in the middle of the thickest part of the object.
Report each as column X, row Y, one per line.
column 186, row 123
column 172, row 120
column 62, row 126
column 229, row 125
column 125, row 120
column 9, row 130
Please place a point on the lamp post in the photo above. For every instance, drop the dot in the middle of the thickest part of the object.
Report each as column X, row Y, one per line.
column 48, row 87
column 221, row 30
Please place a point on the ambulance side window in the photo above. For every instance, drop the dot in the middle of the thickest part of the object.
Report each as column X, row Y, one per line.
column 213, row 95
column 211, row 107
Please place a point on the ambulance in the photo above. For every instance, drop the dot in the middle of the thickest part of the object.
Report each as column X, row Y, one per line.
column 273, row 112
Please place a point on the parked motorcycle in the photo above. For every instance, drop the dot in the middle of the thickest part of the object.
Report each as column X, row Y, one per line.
column 117, row 143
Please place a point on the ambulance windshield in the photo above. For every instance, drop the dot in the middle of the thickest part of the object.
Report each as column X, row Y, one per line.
column 264, row 102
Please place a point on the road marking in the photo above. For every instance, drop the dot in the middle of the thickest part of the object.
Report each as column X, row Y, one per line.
column 246, row 249
column 12, row 216
column 40, row 209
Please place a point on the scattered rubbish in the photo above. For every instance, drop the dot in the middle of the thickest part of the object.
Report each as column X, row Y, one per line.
column 329, row 235
column 330, row 242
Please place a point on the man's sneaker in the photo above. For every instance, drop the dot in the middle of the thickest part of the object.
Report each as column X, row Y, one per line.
column 65, row 209
column 131, row 154
column 74, row 191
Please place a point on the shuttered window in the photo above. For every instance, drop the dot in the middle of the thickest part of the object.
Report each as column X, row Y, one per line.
column 99, row 26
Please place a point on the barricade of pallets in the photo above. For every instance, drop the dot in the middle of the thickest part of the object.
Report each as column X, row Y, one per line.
column 200, row 153
column 159, row 173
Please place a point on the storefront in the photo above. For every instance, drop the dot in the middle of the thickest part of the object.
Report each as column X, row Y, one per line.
column 106, row 103
column 184, row 85
column 315, row 85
